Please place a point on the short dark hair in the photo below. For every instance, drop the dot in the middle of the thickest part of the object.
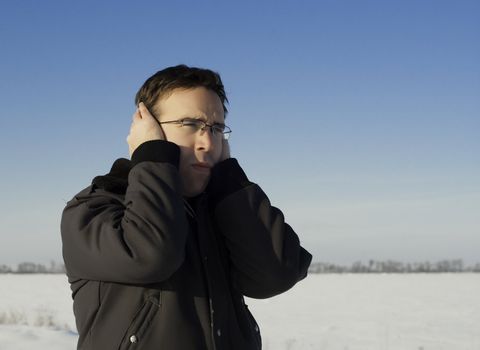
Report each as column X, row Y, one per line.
column 162, row 83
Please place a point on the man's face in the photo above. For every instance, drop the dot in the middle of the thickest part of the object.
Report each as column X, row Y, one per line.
column 195, row 147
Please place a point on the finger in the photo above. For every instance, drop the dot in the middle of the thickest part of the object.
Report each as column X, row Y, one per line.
column 136, row 115
column 228, row 149
column 226, row 145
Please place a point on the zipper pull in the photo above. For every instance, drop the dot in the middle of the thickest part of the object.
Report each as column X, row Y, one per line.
column 189, row 209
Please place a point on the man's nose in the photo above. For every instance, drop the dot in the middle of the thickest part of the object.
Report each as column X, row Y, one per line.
column 204, row 139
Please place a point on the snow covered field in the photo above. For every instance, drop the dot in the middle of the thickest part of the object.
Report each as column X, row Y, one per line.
column 331, row 312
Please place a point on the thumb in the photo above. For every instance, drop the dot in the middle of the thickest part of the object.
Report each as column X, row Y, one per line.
column 144, row 112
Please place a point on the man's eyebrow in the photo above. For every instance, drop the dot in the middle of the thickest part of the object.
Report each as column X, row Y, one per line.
column 190, row 116
column 193, row 116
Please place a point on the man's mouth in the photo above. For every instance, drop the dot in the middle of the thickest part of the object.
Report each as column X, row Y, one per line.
column 202, row 167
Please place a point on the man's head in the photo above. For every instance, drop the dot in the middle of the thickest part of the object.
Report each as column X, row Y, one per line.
column 164, row 82
column 180, row 92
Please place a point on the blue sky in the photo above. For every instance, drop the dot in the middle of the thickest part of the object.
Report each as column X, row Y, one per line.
column 359, row 119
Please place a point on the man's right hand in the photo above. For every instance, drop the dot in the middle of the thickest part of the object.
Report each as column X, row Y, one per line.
column 144, row 128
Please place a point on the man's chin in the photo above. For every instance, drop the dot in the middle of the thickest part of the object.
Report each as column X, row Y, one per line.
column 192, row 191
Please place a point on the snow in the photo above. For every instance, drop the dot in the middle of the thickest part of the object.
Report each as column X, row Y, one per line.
column 331, row 312
column 374, row 311
column 36, row 312
column 15, row 337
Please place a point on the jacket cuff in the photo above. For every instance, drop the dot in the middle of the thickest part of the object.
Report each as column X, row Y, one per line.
column 157, row 151
column 227, row 177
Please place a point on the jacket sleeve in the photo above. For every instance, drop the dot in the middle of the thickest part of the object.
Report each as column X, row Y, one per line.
column 135, row 238
column 266, row 256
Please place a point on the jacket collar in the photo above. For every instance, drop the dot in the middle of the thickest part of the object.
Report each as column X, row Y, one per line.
column 117, row 179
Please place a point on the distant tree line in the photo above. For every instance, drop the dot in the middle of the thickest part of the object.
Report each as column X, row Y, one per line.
column 30, row 267
column 390, row 266
column 373, row 266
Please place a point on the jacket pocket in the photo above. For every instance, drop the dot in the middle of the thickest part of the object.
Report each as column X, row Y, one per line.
column 140, row 324
column 255, row 328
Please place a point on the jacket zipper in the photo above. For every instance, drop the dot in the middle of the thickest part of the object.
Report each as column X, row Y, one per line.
column 192, row 213
column 189, row 209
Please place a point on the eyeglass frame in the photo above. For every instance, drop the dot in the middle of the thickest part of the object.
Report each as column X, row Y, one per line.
column 226, row 131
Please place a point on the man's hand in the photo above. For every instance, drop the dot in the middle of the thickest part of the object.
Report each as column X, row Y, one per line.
column 225, row 150
column 144, row 128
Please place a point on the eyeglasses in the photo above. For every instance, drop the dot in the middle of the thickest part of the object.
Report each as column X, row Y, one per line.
column 196, row 124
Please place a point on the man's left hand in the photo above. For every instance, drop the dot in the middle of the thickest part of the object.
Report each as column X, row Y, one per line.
column 225, row 150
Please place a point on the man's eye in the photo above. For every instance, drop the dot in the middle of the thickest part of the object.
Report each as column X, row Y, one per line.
column 219, row 128
column 191, row 123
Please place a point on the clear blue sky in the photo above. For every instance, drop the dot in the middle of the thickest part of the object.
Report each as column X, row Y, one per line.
column 359, row 119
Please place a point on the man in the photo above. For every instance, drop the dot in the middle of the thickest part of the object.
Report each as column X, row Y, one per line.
column 161, row 251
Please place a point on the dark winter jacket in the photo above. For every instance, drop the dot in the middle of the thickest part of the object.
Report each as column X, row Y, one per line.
column 150, row 270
